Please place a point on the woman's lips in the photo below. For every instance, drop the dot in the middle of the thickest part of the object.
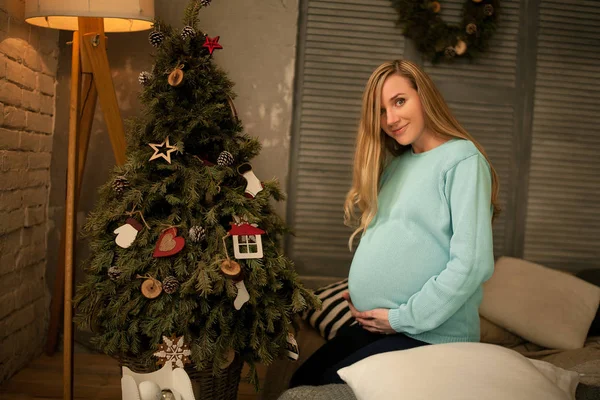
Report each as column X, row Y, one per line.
column 399, row 130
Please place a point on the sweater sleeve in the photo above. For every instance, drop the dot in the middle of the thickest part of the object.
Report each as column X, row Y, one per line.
column 471, row 260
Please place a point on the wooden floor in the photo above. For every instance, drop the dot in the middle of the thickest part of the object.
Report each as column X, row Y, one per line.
column 97, row 376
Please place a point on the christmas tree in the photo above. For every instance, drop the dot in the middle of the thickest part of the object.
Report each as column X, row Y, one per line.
column 184, row 240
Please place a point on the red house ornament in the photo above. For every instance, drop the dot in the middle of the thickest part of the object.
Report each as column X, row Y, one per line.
column 247, row 242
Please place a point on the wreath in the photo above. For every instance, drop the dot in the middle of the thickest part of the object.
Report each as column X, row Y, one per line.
column 440, row 41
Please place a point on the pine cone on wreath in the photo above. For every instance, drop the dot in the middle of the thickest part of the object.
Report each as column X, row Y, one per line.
column 187, row 32
column 114, row 273
column 170, row 285
column 197, row 234
column 119, row 185
column 156, row 38
column 225, row 159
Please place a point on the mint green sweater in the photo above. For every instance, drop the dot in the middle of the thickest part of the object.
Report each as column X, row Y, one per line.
column 429, row 248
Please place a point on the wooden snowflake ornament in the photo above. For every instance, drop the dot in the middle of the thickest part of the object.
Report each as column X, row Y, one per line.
column 173, row 350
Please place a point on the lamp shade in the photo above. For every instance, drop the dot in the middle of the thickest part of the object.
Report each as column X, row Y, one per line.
column 119, row 15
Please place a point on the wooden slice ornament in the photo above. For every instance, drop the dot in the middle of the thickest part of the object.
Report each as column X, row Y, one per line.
column 176, row 76
column 231, row 269
column 151, row 288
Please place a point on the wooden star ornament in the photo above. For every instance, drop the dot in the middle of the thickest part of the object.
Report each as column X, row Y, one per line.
column 211, row 44
column 157, row 150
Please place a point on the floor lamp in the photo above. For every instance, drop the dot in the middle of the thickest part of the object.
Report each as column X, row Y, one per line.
column 90, row 80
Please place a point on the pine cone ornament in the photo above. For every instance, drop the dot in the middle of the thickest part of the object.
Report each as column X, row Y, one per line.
column 156, row 38
column 450, row 52
column 197, row 234
column 471, row 29
column 114, row 273
column 488, row 10
column 205, row 3
column 170, row 285
column 188, row 32
column 120, row 184
column 225, row 159
column 144, row 78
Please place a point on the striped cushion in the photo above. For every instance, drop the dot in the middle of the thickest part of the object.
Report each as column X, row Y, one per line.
column 335, row 312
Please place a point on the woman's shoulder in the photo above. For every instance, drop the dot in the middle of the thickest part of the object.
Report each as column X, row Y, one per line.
column 459, row 150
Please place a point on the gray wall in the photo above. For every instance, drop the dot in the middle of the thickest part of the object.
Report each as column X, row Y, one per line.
column 259, row 48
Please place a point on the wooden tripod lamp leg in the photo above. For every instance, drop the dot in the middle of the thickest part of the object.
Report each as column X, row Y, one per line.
column 94, row 46
column 70, row 220
column 89, row 97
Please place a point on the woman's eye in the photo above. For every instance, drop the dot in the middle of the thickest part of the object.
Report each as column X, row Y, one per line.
column 400, row 101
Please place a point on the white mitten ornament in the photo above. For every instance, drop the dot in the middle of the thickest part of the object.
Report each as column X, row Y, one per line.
column 127, row 233
column 254, row 186
column 149, row 391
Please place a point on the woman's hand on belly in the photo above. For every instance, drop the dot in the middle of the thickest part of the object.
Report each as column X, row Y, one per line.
column 375, row 320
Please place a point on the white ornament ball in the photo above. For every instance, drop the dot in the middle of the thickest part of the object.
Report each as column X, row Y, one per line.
column 149, row 391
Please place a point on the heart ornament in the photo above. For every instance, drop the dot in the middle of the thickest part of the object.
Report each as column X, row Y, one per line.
column 168, row 243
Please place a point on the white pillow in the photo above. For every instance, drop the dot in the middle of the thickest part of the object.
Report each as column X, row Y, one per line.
column 459, row 371
column 545, row 306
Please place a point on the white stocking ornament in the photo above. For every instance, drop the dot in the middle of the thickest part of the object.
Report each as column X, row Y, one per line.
column 254, row 186
column 242, row 295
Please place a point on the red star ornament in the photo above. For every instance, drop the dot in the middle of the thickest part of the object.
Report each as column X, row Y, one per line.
column 211, row 44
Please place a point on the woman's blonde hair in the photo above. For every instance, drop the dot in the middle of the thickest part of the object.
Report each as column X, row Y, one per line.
column 373, row 146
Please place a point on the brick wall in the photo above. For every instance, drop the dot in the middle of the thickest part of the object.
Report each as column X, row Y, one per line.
column 28, row 63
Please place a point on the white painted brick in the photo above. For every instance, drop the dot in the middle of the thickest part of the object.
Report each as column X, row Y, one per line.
column 8, row 303
column 10, row 93
column 30, row 141
column 13, row 48
column 45, row 84
column 39, row 160
column 12, row 199
column 45, row 143
column 9, row 139
column 46, row 104
column 11, row 221
column 31, row 100
column 39, row 123
column 8, row 263
column 35, row 196
column 28, row 78
column 14, row 161
column 10, row 180
column 34, row 216
column 23, row 179
column 14, row 117
column 10, row 243
column 32, row 59
column 30, row 255
column 12, row 280
column 13, row 70
column 17, row 320
column 35, row 235
column 2, row 66
column 38, row 177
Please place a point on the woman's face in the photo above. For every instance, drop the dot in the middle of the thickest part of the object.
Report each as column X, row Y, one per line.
column 402, row 115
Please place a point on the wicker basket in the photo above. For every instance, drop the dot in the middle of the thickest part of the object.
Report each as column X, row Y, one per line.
column 223, row 386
